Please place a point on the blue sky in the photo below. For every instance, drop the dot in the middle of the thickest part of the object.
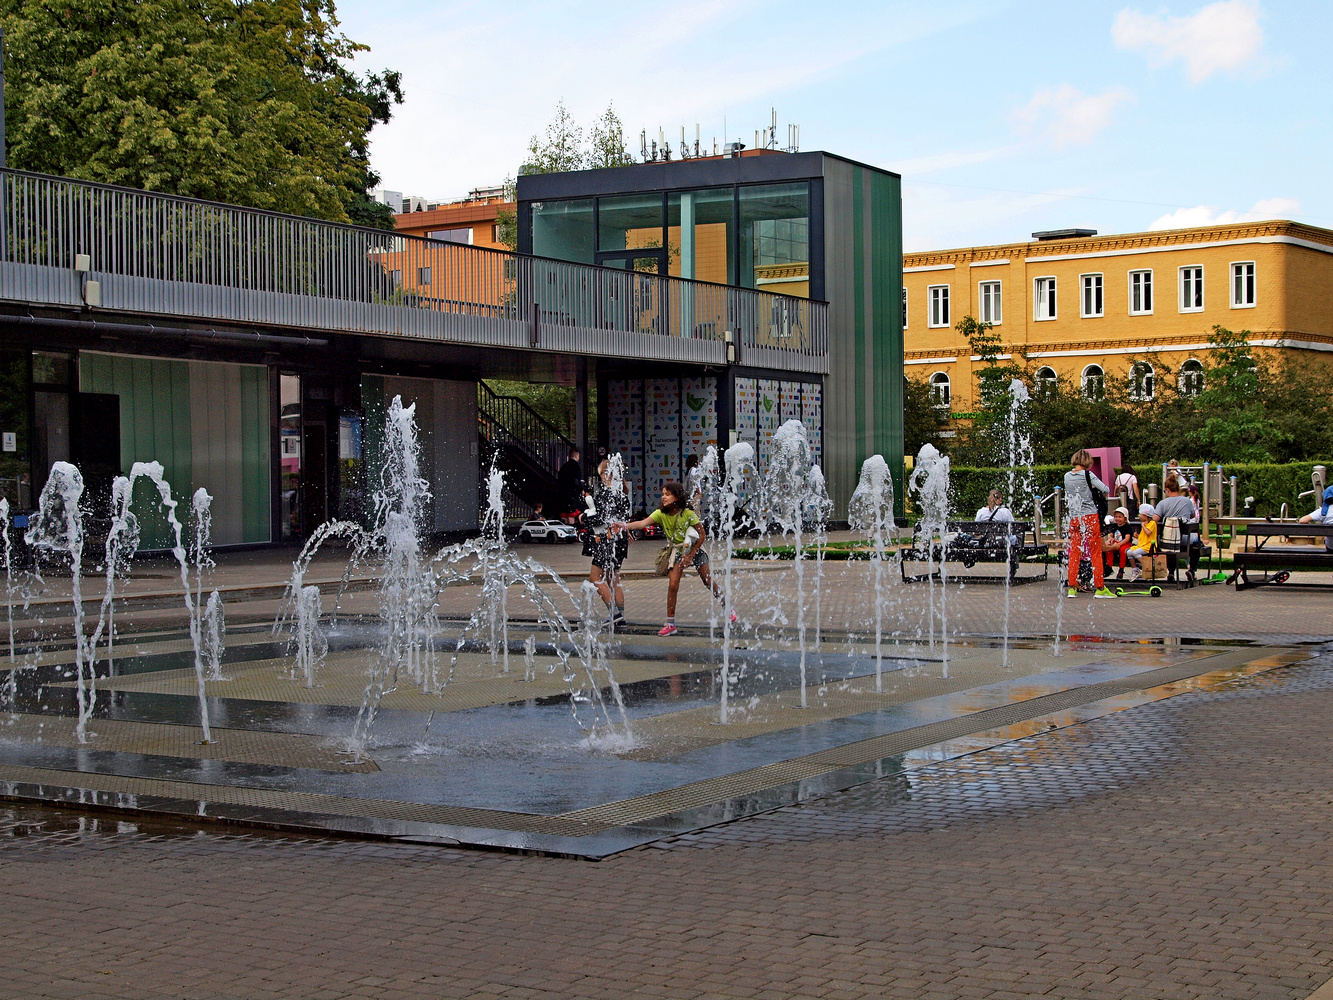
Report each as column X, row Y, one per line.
column 1002, row 117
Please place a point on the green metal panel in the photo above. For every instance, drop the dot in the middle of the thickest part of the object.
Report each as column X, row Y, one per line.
column 858, row 302
column 887, row 372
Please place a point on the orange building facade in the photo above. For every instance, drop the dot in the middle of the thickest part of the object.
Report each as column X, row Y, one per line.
column 1079, row 308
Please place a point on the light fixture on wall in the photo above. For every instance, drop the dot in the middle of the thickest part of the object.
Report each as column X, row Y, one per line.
column 731, row 347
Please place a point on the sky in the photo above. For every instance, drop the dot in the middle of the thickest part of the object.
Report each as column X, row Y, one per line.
column 1003, row 118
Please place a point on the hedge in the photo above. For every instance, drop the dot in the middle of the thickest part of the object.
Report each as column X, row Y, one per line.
column 1271, row 485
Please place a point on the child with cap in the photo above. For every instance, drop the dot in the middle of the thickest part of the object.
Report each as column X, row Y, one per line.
column 1117, row 537
column 1146, row 543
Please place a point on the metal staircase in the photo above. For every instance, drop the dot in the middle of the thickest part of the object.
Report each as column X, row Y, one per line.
column 527, row 447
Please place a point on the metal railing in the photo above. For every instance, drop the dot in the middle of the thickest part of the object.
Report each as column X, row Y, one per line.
column 171, row 256
column 508, row 421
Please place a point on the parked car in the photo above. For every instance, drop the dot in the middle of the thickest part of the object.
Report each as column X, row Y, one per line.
column 546, row 531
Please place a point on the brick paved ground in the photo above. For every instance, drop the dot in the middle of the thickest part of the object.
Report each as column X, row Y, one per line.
column 1179, row 849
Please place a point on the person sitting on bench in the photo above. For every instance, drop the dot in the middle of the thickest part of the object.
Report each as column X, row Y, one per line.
column 995, row 510
column 1323, row 514
column 1117, row 538
column 1177, row 504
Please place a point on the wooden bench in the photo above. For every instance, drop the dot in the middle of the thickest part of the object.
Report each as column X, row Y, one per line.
column 1263, row 551
column 981, row 542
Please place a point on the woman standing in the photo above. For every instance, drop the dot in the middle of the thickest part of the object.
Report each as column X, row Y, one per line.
column 685, row 534
column 1085, row 522
column 1128, row 481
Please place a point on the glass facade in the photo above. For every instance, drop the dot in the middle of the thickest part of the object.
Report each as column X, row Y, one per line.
column 701, row 235
column 752, row 235
column 564, row 230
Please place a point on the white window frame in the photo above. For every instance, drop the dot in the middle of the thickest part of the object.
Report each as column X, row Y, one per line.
column 1180, row 377
column 1184, row 290
column 1253, row 289
column 1044, row 297
column 904, row 307
column 933, row 299
column 1141, row 272
column 1150, row 376
column 983, row 300
column 947, row 401
column 1083, row 281
column 1083, row 380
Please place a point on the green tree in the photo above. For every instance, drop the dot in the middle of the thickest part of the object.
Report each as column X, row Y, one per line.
column 922, row 419
column 606, row 142
column 559, row 150
column 243, row 101
column 986, row 440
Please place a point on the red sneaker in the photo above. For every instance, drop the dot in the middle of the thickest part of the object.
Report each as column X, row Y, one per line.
column 667, row 629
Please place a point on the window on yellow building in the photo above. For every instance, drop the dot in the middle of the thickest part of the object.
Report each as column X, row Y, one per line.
column 1191, row 377
column 1044, row 298
column 1242, row 285
column 1090, row 303
column 989, row 298
column 1094, row 382
column 1191, row 289
column 939, row 305
column 940, row 394
column 1046, row 381
column 1142, row 380
column 1140, row 293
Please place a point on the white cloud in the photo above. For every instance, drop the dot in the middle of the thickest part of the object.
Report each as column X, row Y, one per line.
column 1209, row 215
column 935, row 162
column 1065, row 116
column 1221, row 36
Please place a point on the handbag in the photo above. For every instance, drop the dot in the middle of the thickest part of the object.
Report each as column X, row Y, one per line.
column 664, row 561
column 1098, row 497
column 1169, row 538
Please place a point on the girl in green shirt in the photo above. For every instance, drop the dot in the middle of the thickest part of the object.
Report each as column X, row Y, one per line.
column 685, row 534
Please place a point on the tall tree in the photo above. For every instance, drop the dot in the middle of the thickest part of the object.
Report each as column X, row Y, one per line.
column 560, row 149
column 243, row 101
column 606, row 142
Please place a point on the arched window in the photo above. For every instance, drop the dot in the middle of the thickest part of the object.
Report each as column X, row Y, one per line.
column 1191, row 377
column 1045, row 380
column 1094, row 382
column 1142, row 380
column 940, row 393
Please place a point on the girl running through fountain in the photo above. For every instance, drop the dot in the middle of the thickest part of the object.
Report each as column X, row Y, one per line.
column 685, row 534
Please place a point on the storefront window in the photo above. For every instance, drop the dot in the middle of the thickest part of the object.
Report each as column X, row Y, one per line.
column 289, row 436
column 701, row 234
column 775, row 238
column 563, row 230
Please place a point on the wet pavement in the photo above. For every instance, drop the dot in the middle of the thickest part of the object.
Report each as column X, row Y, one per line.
column 1175, row 849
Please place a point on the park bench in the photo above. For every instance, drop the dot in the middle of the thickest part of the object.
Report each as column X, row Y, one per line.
column 1265, row 550
column 972, row 542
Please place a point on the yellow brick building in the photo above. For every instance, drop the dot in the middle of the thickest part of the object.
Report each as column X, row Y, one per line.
column 1137, row 307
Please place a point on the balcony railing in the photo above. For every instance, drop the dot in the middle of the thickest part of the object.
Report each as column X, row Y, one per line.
column 180, row 257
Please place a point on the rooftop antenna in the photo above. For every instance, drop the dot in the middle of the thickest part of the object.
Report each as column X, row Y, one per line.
column 696, row 139
column 643, row 145
column 773, row 131
column 684, row 146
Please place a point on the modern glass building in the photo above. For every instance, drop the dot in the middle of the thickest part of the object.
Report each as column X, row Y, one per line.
column 809, row 225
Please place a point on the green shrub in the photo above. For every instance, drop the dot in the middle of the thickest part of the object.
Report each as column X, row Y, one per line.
column 1270, row 484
